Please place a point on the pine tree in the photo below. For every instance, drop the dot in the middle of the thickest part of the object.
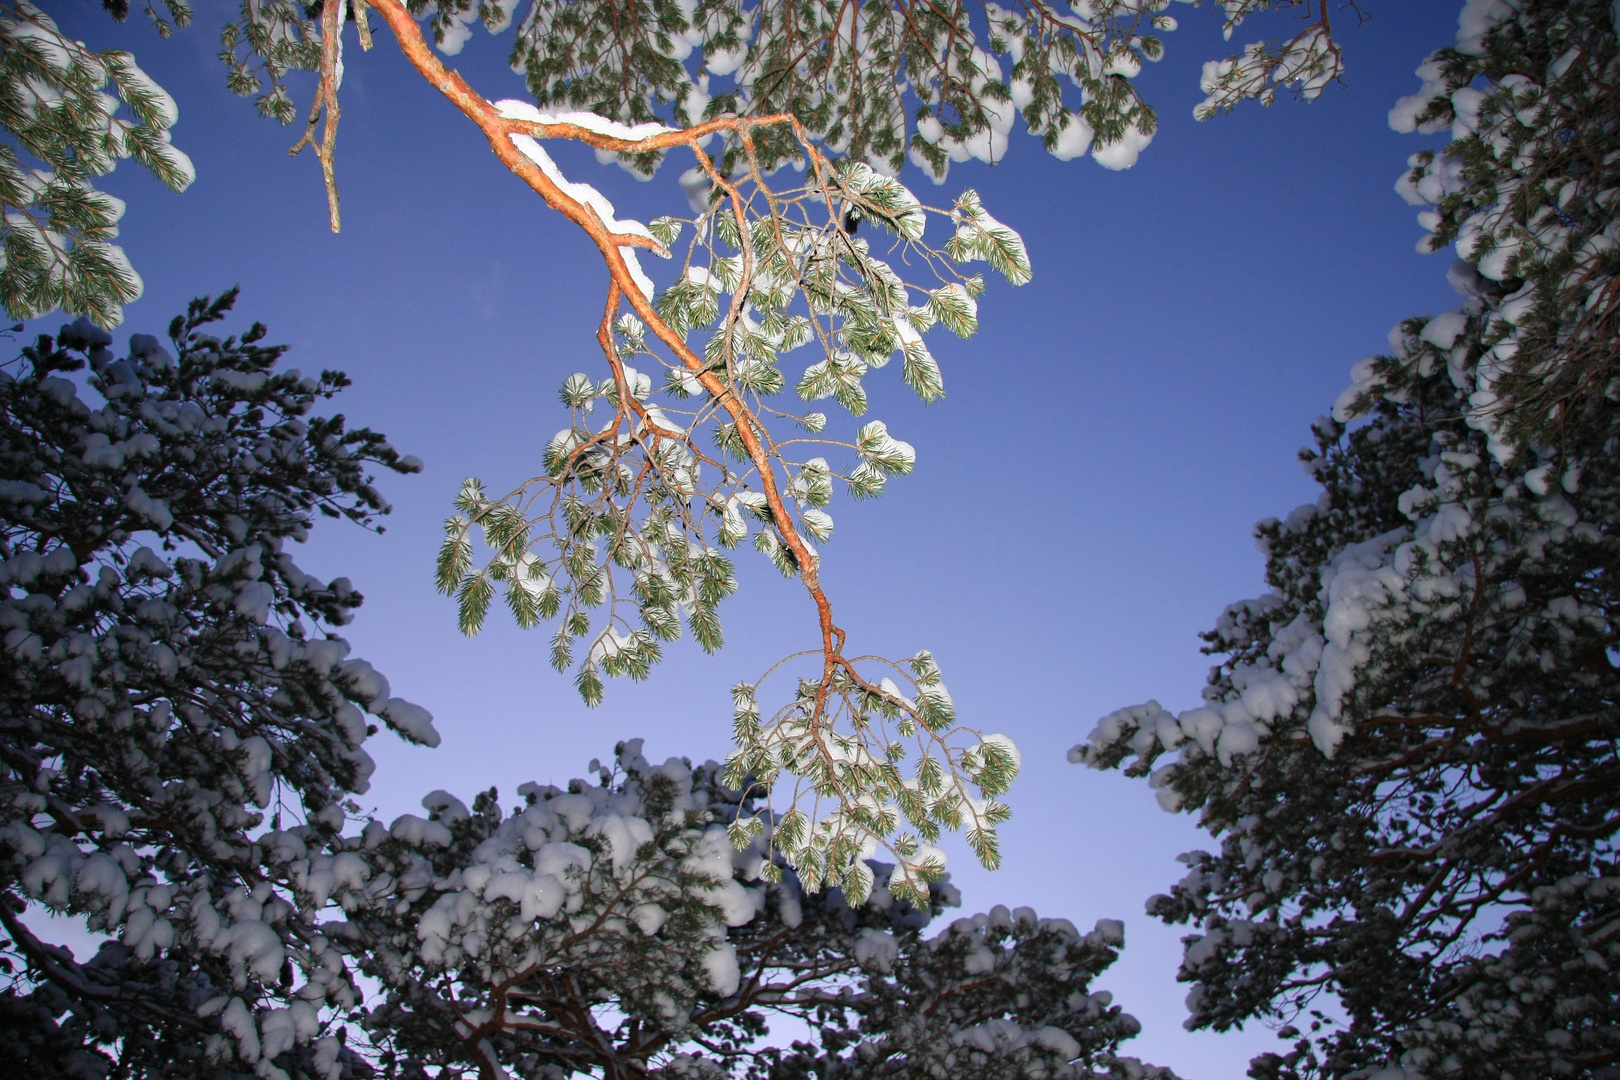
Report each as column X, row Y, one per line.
column 1526, row 191
column 170, row 700
column 614, row 929
column 1408, row 747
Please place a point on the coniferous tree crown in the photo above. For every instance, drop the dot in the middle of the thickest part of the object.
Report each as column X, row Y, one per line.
column 1407, row 749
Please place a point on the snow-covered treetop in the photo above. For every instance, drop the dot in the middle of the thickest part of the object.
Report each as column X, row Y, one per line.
column 136, row 532
column 1408, row 747
column 612, row 928
column 1407, row 750
column 1527, row 192
column 170, row 706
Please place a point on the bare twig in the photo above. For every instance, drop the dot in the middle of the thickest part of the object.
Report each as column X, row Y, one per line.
column 326, row 100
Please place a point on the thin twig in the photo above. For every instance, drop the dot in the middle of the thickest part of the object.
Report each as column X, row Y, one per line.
column 326, row 100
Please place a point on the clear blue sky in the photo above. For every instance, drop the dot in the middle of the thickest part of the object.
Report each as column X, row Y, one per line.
column 1083, row 499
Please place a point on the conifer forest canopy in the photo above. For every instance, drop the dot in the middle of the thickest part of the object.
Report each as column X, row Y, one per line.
column 1405, row 761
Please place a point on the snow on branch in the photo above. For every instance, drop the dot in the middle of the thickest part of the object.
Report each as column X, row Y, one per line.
column 65, row 129
column 1308, row 62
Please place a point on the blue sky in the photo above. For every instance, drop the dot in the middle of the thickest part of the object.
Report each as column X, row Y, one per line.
column 1084, row 496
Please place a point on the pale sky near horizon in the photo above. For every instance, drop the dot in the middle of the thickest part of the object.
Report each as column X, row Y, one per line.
column 1084, row 496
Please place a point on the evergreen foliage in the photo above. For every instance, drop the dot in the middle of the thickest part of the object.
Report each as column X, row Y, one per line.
column 614, row 929
column 167, row 696
column 1526, row 190
column 1408, row 747
column 62, row 129
column 635, row 516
